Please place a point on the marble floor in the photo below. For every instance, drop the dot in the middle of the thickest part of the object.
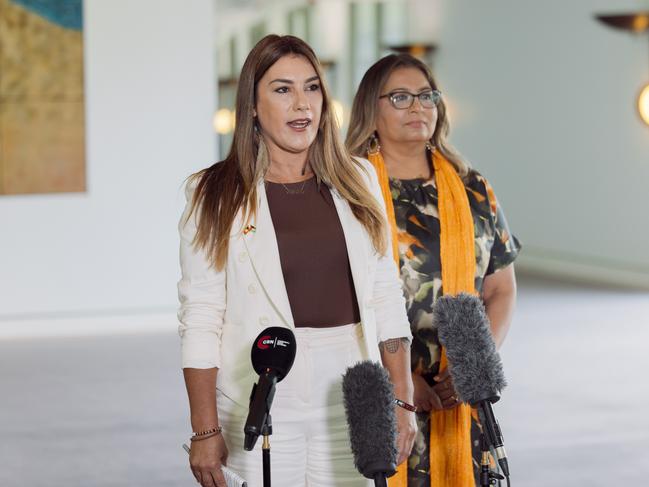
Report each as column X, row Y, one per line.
column 111, row 411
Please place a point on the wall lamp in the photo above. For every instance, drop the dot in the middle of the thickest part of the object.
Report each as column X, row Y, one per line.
column 636, row 23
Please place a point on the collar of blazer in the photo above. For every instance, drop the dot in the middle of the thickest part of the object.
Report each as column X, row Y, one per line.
column 264, row 254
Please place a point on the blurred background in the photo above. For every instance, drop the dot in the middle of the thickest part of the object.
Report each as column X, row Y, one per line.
column 106, row 107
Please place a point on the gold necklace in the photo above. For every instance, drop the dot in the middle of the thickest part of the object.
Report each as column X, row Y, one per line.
column 295, row 191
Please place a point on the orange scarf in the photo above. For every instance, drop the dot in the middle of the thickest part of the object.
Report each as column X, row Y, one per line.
column 451, row 463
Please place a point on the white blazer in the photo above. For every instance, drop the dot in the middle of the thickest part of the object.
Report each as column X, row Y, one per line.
column 221, row 313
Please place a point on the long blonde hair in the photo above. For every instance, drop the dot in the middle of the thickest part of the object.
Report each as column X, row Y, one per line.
column 362, row 124
column 230, row 186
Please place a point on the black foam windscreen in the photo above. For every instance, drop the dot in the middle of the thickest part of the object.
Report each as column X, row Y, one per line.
column 369, row 406
column 474, row 363
column 274, row 350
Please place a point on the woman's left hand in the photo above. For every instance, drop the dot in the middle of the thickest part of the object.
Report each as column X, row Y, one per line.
column 406, row 431
column 445, row 390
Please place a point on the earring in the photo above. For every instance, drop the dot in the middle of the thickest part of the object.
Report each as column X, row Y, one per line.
column 373, row 145
column 261, row 149
column 430, row 147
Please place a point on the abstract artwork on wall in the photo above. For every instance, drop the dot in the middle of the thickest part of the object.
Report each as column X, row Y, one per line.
column 42, row 108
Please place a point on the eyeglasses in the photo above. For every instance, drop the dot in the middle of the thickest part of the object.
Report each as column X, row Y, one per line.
column 402, row 100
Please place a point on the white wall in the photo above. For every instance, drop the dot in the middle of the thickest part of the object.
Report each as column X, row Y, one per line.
column 150, row 96
column 542, row 98
column 543, row 101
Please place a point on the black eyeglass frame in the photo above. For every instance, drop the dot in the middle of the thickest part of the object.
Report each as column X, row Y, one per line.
column 437, row 96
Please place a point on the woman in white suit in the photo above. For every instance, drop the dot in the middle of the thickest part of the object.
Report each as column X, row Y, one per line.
column 289, row 230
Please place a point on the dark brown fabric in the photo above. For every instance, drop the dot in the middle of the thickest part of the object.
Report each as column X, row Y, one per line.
column 313, row 254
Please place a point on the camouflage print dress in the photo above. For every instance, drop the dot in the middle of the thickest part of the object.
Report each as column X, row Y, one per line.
column 417, row 218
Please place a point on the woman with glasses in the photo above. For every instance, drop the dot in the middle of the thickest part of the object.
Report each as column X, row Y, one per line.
column 449, row 236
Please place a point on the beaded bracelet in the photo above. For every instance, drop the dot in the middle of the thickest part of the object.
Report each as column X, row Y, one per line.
column 203, row 435
column 405, row 405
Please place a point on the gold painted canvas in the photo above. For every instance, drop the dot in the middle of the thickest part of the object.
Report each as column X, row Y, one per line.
column 42, row 123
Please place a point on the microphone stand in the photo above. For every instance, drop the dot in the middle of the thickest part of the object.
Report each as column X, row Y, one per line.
column 493, row 436
column 260, row 415
column 266, row 431
column 488, row 477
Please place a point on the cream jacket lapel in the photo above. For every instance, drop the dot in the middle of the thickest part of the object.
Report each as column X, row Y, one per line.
column 261, row 244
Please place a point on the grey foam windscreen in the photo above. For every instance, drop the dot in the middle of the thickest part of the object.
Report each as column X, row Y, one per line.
column 369, row 406
column 474, row 363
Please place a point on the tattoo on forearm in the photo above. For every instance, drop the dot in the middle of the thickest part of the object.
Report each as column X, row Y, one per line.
column 392, row 345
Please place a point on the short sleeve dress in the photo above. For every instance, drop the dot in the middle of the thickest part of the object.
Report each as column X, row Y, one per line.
column 417, row 218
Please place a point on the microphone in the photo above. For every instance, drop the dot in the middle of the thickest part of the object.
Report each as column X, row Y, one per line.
column 369, row 407
column 272, row 355
column 474, row 363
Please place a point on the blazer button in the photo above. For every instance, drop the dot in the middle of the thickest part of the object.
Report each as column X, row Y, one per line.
column 263, row 321
column 252, row 289
column 242, row 256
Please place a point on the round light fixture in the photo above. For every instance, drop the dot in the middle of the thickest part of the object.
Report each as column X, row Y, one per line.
column 643, row 104
column 223, row 121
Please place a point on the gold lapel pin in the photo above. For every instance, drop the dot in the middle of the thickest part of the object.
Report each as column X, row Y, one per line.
column 248, row 229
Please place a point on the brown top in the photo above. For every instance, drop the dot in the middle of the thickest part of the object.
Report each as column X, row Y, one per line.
column 313, row 254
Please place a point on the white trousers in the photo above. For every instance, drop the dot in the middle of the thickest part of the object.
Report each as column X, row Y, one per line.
column 310, row 443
